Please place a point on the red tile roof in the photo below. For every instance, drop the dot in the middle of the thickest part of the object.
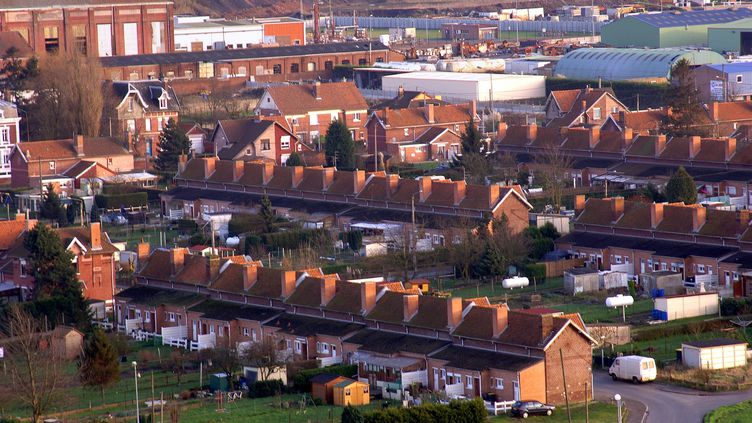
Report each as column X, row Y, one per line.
column 300, row 99
column 677, row 218
column 443, row 115
column 65, row 149
column 712, row 150
column 677, row 148
column 642, row 145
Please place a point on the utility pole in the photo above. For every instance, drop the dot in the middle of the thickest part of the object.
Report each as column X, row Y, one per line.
column 566, row 391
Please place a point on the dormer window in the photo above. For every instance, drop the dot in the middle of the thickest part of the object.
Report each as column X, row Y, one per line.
column 130, row 104
column 162, row 103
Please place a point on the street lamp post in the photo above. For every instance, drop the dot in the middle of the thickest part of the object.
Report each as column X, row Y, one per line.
column 135, row 380
column 603, row 344
column 617, row 398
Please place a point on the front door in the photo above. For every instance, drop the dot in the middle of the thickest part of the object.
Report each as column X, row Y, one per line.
column 435, row 379
column 195, row 331
column 516, row 386
column 476, row 387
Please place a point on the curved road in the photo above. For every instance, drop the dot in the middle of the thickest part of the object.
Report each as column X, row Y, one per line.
column 679, row 405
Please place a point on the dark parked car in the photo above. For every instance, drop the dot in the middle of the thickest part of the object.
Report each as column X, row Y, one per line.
column 529, row 408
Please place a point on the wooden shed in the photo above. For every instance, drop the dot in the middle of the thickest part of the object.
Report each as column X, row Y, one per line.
column 714, row 354
column 322, row 386
column 67, row 341
column 581, row 279
column 351, row 392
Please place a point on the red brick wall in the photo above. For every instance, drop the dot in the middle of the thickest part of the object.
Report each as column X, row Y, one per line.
column 577, row 354
column 97, row 273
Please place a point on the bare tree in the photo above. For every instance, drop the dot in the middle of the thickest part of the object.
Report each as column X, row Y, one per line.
column 465, row 253
column 68, row 87
column 34, row 362
column 265, row 356
column 553, row 171
column 178, row 363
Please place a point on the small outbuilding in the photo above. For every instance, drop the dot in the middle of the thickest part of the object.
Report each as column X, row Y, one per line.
column 663, row 283
column 581, row 279
column 715, row 354
column 322, row 386
column 351, row 392
column 613, row 280
column 682, row 306
column 68, row 341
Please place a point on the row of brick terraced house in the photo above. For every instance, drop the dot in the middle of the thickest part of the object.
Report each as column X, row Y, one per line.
column 688, row 239
column 397, row 336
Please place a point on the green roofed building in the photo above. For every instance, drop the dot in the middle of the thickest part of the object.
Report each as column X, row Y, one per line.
column 671, row 29
column 629, row 64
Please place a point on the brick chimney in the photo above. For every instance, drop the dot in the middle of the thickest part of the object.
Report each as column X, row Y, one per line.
column 182, row 163
column 499, row 319
column 177, row 258
column 328, row 289
column 501, row 130
column 212, row 267
column 695, row 144
column 317, row 90
column 493, row 195
column 424, row 187
column 297, row 175
column 744, row 217
column 430, row 115
column 532, row 132
column 699, row 214
column 656, row 214
column 238, row 168
column 400, row 91
column 454, row 312
column 730, row 149
column 392, row 182
column 473, row 109
column 458, row 191
column 626, row 137
column 95, row 231
column 250, row 276
column 359, row 180
column 409, row 306
column 210, row 164
column 594, row 136
column 660, row 144
column 579, row 204
column 583, row 109
column 622, row 118
column 287, row 281
column 267, row 172
column 327, row 177
column 617, row 208
column 142, row 250
column 79, row 145
column 367, row 297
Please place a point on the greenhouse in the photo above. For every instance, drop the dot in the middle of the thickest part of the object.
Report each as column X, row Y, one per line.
column 617, row 64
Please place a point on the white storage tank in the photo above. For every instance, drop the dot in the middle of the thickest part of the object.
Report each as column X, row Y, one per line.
column 619, row 301
column 515, row 282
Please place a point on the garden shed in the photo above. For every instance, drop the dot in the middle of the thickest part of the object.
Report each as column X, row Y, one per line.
column 322, row 386
column 351, row 392
column 613, row 280
column 661, row 284
column 682, row 306
column 581, row 279
column 715, row 354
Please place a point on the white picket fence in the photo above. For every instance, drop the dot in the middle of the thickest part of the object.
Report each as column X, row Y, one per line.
column 204, row 342
column 104, row 325
column 330, row 361
column 498, row 406
column 132, row 325
column 454, row 390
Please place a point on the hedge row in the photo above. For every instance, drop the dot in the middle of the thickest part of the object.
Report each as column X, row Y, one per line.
column 691, row 328
column 267, row 388
column 456, row 411
column 116, row 201
column 302, row 380
column 736, row 306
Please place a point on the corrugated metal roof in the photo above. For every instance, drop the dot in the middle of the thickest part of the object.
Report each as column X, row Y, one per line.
column 618, row 64
column 692, row 18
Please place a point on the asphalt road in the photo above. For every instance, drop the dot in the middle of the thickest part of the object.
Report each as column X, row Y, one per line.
column 667, row 404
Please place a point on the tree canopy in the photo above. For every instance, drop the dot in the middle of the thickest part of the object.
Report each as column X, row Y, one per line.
column 339, row 148
column 52, row 208
column 57, row 288
column 473, row 158
column 681, row 187
column 294, row 159
column 98, row 365
column 684, row 103
column 172, row 143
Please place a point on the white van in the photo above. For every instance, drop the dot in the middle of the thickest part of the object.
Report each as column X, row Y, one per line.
column 634, row 368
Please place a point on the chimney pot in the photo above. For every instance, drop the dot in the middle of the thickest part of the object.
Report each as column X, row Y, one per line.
column 579, row 203
column 500, row 319
column 656, row 214
column 409, row 306
column 328, row 289
column 454, row 312
column 367, row 297
column 95, row 229
column 250, row 275
column 79, row 145
column 430, row 114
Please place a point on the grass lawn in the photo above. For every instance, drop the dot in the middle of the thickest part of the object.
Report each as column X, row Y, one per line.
column 459, row 289
column 599, row 412
column 132, row 236
column 665, row 348
column 598, row 312
column 737, row 413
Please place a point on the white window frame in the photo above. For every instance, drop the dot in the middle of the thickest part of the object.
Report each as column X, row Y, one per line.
column 499, row 383
column 284, row 142
column 739, row 79
column 147, row 125
column 469, row 382
column 356, row 117
column 597, row 113
column 245, row 332
column 313, row 119
column 5, row 135
column 162, row 103
column 298, row 347
column 171, row 317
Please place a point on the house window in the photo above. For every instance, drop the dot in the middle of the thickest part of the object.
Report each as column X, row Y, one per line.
column 731, row 190
column 162, row 103
column 5, row 135
column 298, row 347
column 356, row 117
column 469, row 382
column 109, row 161
column 499, row 383
column 701, row 268
column 245, row 332
column 247, row 151
column 51, row 38
column 130, row 104
column 277, row 69
column 211, row 328
column 293, row 121
column 188, row 74
column 52, row 166
column 314, row 118
column 407, row 132
column 664, row 266
column 170, row 317
column 294, row 68
column 739, row 79
column 614, row 109
column 253, row 334
column 596, row 113
column 265, row 145
column 618, row 259
column 288, row 344
column 79, row 38
column 334, row 117
column 362, row 62
column 160, row 123
column 345, row 62
column 284, row 142
column 328, row 65
column 147, row 125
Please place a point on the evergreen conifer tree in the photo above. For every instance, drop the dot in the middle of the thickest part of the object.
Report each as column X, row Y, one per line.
column 172, row 143
column 98, row 366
